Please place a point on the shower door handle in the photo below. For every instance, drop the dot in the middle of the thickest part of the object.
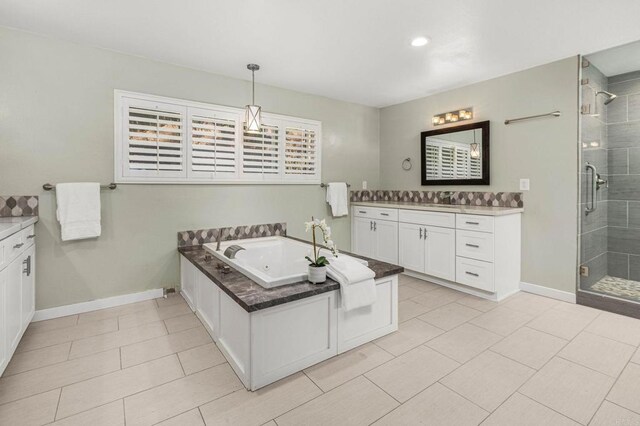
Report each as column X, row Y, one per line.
column 594, row 188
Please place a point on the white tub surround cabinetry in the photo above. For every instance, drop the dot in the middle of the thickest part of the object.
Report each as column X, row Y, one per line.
column 17, row 282
column 268, row 334
column 472, row 249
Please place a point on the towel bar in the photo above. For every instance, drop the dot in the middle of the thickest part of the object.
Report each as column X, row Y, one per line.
column 49, row 187
column 324, row 185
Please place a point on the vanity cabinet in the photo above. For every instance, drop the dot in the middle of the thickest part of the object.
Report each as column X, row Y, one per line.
column 374, row 234
column 472, row 252
column 17, row 289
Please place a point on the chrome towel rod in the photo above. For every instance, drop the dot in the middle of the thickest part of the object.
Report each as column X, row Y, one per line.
column 549, row 114
column 49, row 187
column 324, row 185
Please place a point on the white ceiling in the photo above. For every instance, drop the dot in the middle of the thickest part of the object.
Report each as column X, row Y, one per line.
column 618, row 60
column 354, row 50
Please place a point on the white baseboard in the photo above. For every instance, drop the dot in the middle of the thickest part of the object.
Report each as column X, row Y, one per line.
column 109, row 302
column 565, row 296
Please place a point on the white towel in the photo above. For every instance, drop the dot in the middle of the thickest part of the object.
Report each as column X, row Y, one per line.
column 78, row 210
column 357, row 284
column 337, row 198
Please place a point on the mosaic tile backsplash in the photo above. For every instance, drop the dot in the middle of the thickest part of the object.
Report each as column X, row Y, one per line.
column 18, row 205
column 490, row 199
column 203, row 236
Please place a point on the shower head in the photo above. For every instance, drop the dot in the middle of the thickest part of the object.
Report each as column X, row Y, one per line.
column 610, row 96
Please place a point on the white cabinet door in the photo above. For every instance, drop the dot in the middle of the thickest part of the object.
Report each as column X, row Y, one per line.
column 13, row 318
column 188, row 281
column 208, row 304
column 386, row 241
column 440, row 252
column 28, row 285
column 411, row 247
column 363, row 237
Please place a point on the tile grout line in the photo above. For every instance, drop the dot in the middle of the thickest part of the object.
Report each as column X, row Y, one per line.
column 384, row 391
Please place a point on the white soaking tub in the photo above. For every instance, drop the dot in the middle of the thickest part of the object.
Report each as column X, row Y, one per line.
column 271, row 261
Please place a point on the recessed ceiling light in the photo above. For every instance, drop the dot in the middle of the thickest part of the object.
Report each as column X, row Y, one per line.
column 419, row 41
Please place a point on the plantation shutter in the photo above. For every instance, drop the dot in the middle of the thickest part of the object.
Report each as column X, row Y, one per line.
column 154, row 134
column 475, row 168
column 213, row 144
column 300, row 153
column 462, row 163
column 447, row 162
column 432, row 161
column 260, row 151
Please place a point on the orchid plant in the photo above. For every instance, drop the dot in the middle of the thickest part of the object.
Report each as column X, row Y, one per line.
column 319, row 261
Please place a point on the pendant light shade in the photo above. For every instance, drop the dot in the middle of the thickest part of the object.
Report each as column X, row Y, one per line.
column 475, row 147
column 253, row 119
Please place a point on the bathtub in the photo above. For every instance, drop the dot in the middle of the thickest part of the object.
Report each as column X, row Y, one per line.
column 271, row 261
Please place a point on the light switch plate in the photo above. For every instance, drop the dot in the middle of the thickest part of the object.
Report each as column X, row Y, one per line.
column 364, row 184
column 524, row 184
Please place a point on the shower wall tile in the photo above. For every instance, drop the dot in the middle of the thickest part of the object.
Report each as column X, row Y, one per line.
column 597, row 79
column 597, row 270
column 624, row 240
column 634, row 107
column 618, row 160
column 618, row 264
column 628, row 87
column 594, row 220
column 617, row 213
column 624, row 77
column 634, row 159
column 634, row 214
column 617, row 110
column 624, row 187
column 597, row 157
column 593, row 244
column 634, row 268
column 623, row 135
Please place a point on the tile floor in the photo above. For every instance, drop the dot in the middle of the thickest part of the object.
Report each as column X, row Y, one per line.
column 456, row 359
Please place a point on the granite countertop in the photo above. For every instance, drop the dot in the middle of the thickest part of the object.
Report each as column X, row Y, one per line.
column 11, row 225
column 252, row 297
column 446, row 208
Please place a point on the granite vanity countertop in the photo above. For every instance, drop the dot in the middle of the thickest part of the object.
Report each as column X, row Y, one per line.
column 252, row 297
column 446, row 208
column 11, row 225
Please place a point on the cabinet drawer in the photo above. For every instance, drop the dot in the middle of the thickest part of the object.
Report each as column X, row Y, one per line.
column 474, row 222
column 445, row 220
column 376, row 213
column 13, row 245
column 29, row 235
column 475, row 245
column 475, row 273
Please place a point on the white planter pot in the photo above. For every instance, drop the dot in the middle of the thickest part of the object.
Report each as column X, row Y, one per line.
column 317, row 274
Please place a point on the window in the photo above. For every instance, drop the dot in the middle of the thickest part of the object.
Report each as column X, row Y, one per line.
column 449, row 160
column 165, row 140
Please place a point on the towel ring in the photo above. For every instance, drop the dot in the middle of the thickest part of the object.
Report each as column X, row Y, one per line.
column 406, row 164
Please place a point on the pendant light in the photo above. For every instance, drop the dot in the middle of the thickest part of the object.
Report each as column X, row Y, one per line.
column 252, row 116
column 475, row 148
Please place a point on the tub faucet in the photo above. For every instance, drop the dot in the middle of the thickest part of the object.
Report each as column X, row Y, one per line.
column 218, row 239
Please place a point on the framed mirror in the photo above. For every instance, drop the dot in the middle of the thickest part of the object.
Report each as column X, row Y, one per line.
column 456, row 155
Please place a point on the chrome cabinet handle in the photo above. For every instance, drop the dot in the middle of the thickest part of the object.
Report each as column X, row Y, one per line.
column 472, row 245
column 31, row 236
column 361, row 211
column 27, row 266
column 375, row 226
column 472, row 223
column 384, row 214
column 420, row 233
column 370, row 225
column 17, row 246
column 425, row 233
column 472, row 274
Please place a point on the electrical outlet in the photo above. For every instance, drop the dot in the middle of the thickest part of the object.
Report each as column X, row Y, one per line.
column 524, row 184
column 364, row 184
column 584, row 271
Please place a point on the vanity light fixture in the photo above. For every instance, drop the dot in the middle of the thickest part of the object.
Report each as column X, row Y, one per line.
column 253, row 111
column 453, row 116
column 419, row 41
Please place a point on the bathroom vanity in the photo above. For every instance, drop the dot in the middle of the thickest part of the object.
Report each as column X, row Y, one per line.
column 468, row 248
column 270, row 333
column 17, row 282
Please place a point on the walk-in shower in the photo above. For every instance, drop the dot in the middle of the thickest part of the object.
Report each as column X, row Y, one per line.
column 609, row 264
